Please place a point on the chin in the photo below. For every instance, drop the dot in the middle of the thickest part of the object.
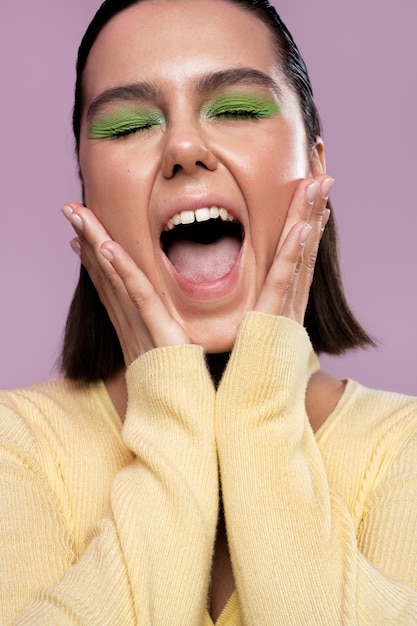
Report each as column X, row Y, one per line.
column 215, row 336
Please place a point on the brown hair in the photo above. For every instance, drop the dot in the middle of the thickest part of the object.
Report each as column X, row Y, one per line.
column 91, row 349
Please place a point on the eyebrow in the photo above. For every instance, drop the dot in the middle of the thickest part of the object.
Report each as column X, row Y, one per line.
column 236, row 76
column 144, row 90
column 134, row 91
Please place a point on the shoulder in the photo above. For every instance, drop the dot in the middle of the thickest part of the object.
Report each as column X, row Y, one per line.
column 322, row 397
column 62, row 441
column 348, row 405
column 368, row 430
column 367, row 441
column 377, row 413
column 57, row 395
column 385, row 421
column 52, row 409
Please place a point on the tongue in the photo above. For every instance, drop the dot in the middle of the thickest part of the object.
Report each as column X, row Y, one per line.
column 204, row 263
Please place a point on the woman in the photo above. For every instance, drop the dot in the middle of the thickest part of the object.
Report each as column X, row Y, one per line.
column 189, row 372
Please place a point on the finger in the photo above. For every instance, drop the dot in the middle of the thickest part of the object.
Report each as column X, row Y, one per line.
column 300, row 207
column 91, row 235
column 288, row 282
column 298, row 299
column 282, row 274
column 108, row 297
column 163, row 329
column 110, row 293
column 132, row 333
column 304, row 199
column 319, row 203
column 87, row 244
column 299, row 212
column 76, row 246
column 125, row 289
column 75, row 220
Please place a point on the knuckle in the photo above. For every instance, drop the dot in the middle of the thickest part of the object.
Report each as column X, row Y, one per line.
column 311, row 260
column 280, row 286
column 114, row 282
column 308, row 265
column 140, row 300
column 97, row 276
column 102, row 280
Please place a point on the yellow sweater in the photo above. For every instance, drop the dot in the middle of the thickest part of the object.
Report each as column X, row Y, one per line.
column 104, row 524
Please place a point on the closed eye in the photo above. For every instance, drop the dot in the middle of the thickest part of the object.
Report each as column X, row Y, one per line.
column 239, row 114
column 125, row 131
column 123, row 125
column 241, row 106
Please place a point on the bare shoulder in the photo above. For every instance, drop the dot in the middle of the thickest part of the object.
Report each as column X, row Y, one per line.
column 323, row 394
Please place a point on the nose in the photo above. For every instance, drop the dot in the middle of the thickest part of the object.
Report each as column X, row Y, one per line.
column 186, row 150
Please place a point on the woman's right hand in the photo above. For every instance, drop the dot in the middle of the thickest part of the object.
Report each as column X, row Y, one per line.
column 140, row 318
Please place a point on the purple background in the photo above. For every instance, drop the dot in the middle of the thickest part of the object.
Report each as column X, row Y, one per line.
column 361, row 57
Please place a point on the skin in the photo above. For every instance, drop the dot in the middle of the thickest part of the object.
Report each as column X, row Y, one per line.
column 192, row 143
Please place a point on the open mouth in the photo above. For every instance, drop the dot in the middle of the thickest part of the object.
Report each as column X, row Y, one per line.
column 202, row 245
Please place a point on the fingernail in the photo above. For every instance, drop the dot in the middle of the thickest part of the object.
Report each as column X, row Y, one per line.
column 75, row 245
column 312, row 191
column 72, row 217
column 304, row 234
column 325, row 218
column 107, row 254
column 326, row 187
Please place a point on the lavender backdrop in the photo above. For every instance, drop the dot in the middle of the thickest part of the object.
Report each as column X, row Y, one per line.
column 361, row 56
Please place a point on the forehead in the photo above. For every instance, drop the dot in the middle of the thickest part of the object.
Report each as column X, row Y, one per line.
column 176, row 41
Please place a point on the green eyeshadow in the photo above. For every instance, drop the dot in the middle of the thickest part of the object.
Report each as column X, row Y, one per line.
column 124, row 124
column 241, row 106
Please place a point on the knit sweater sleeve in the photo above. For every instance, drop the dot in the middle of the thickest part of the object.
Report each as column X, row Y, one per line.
column 295, row 553
column 148, row 562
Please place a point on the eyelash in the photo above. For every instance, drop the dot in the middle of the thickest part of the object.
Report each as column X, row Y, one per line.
column 120, row 130
column 242, row 108
column 232, row 113
column 130, row 130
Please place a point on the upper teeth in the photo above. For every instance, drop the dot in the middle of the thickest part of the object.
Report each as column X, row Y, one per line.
column 200, row 215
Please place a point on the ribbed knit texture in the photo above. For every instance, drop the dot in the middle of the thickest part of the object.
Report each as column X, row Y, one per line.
column 103, row 525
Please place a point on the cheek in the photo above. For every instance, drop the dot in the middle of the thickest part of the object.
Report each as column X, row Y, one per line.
column 111, row 184
column 269, row 177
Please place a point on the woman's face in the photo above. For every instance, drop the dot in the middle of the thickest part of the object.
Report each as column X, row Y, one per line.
column 188, row 117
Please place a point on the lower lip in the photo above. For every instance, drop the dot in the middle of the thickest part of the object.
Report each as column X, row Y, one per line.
column 219, row 288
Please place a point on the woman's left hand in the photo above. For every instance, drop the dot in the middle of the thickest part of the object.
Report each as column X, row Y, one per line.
column 288, row 282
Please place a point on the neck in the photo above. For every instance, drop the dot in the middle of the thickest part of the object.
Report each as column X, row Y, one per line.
column 216, row 364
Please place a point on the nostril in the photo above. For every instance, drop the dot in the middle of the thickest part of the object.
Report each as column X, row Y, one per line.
column 177, row 167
